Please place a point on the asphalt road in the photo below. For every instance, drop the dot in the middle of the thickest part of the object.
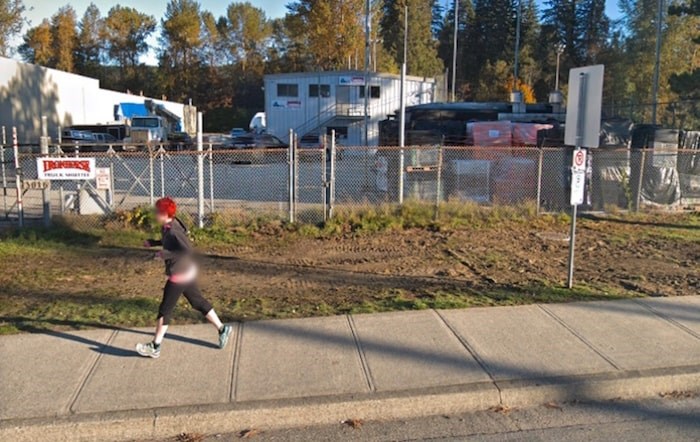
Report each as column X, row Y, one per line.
column 669, row 419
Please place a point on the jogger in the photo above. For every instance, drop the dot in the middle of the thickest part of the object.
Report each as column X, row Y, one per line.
column 182, row 278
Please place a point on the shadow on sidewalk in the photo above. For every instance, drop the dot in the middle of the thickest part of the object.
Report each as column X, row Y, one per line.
column 576, row 384
column 25, row 325
column 466, row 361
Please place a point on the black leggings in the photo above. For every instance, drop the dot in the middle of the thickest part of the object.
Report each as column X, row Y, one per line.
column 171, row 294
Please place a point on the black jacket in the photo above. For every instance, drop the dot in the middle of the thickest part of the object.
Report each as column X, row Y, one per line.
column 177, row 248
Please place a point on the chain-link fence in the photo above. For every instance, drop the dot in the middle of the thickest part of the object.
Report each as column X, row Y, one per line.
column 309, row 185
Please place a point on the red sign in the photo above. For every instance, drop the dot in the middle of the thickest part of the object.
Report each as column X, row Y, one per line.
column 66, row 164
column 579, row 160
column 65, row 168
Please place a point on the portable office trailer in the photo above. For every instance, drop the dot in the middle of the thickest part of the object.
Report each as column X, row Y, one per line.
column 315, row 103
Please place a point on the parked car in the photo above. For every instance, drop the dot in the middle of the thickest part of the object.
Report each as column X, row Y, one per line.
column 258, row 124
column 253, row 149
column 84, row 140
column 258, row 141
column 315, row 141
column 73, row 136
column 238, row 132
column 101, row 138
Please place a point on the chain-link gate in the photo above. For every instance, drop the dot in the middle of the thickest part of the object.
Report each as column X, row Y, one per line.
column 224, row 184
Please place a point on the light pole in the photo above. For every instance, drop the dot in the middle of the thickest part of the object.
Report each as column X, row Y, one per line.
column 368, row 38
column 657, row 59
column 454, row 50
column 517, row 45
column 402, row 111
column 560, row 50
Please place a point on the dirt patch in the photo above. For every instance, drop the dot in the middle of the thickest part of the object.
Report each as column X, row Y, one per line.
column 512, row 263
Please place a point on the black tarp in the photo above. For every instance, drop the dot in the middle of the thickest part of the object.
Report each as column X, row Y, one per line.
column 689, row 164
column 611, row 165
column 655, row 177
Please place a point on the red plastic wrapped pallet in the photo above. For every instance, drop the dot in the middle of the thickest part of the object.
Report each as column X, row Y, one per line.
column 490, row 133
column 525, row 134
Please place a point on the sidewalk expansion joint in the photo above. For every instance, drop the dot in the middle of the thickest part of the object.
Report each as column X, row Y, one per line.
column 579, row 336
column 91, row 370
column 667, row 319
column 471, row 352
column 235, row 361
column 361, row 353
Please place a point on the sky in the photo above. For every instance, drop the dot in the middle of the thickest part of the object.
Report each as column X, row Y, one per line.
column 40, row 9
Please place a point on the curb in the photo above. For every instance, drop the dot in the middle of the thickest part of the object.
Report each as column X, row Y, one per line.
column 234, row 417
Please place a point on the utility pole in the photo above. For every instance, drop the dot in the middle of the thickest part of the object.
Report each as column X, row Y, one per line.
column 657, row 62
column 402, row 112
column 517, row 46
column 368, row 36
column 560, row 50
column 454, row 49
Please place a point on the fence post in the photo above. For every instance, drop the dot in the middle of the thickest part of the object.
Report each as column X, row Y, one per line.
column 211, row 178
column 324, row 179
column 296, row 175
column 200, row 173
column 18, row 178
column 290, row 182
column 59, row 152
column 4, row 173
column 151, row 176
column 331, row 190
column 402, row 168
column 45, row 193
column 640, row 182
column 161, row 160
column 539, row 180
column 438, row 186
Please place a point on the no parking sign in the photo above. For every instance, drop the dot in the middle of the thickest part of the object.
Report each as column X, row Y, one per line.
column 578, row 177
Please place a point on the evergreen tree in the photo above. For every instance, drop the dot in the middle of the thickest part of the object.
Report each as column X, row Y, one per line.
column 687, row 84
column 65, row 39
column 464, row 54
column 581, row 26
column 53, row 43
column 247, row 34
column 11, row 21
column 331, row 31
column 423, row 59
column 594, row 30
column 678, row 56
column 181, row 42
column 126, row 34
column 90, row 42
column 214, row 39
column 38, row 44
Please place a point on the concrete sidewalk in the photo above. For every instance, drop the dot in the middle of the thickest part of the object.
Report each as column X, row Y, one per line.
column 92, row 385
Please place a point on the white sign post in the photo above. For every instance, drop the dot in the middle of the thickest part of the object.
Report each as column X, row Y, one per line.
column 103, row 178
column 583, row 112
column 578, row 177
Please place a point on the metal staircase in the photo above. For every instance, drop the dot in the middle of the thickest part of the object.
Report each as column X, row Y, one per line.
column 336, row 113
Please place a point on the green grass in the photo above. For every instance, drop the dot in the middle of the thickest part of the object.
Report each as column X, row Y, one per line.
column 398, row 300
column 32, row 302
column 78, row 315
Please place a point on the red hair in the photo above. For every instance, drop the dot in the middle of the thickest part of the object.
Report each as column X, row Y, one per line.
column 166, row 206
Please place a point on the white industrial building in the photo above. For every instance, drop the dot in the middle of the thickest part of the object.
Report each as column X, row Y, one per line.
column 315, row 103
column 28, row 92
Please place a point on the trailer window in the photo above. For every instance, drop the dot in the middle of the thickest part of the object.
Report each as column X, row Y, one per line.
column 374, row 92
column 324, row 88
column 287, row 90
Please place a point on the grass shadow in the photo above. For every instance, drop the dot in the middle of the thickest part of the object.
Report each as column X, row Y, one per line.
column 639, row 222
column 38, row 326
